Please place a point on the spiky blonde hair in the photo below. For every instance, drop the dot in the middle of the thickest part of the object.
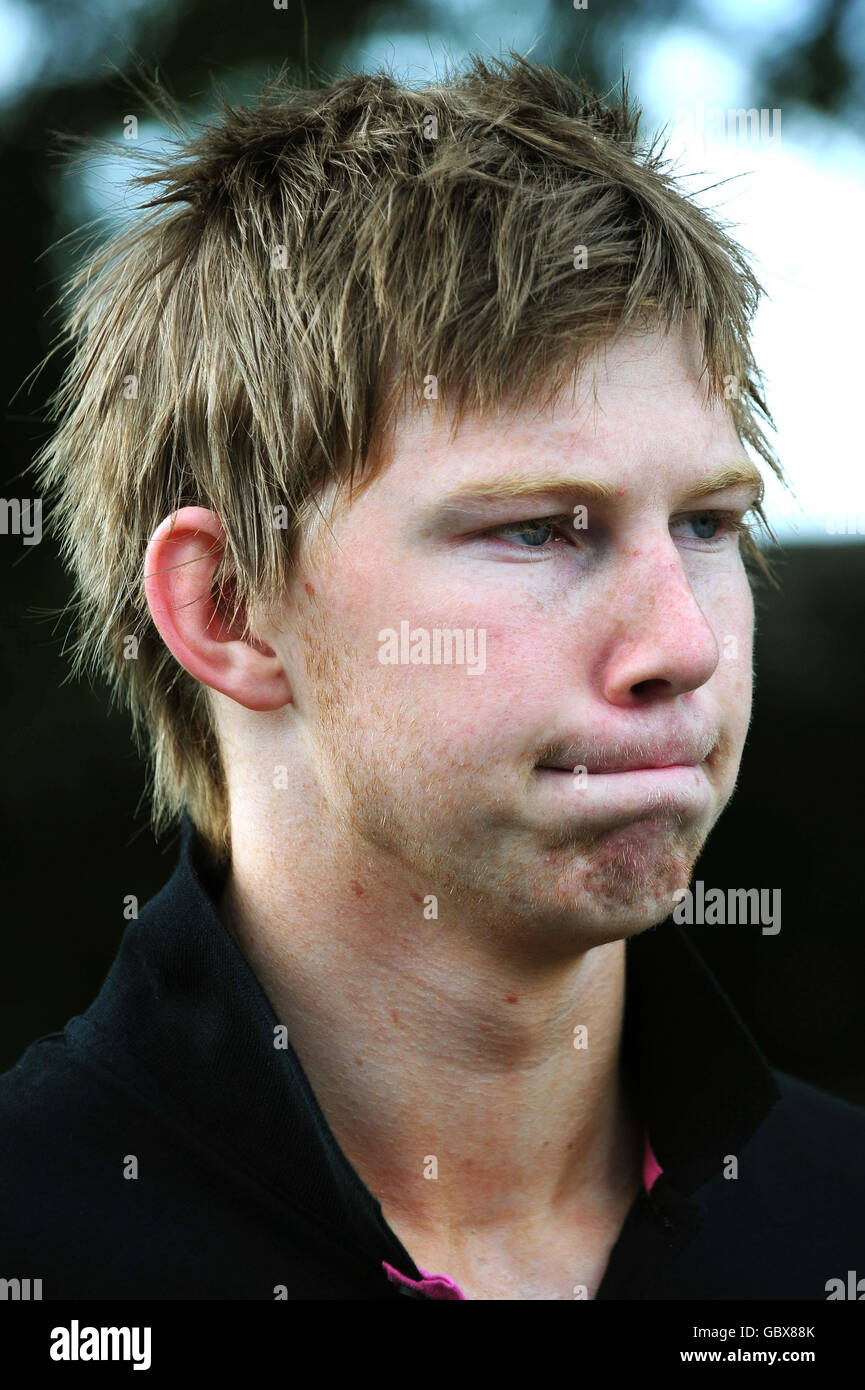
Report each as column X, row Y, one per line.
column 308, row 263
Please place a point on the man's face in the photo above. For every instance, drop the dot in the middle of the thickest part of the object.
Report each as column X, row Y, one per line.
column 623, row 639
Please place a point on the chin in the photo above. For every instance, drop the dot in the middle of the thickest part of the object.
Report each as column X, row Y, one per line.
column 625, row 882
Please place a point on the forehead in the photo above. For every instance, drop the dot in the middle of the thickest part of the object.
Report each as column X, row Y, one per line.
column 635, row 418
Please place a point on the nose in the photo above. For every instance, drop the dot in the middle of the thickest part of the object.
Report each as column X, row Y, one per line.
column 661, row 643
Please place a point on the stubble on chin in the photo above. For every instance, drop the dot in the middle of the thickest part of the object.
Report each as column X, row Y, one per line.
column 630, row 870
column 631, row 875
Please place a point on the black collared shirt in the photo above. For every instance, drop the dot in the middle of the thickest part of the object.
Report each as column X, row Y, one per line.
column 162, row 1147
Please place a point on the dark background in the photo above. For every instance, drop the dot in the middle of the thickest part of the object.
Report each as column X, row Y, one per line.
column 75, row 835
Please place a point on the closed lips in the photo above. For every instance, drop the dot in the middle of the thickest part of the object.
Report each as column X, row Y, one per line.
column 628, row 767
column 633, row 765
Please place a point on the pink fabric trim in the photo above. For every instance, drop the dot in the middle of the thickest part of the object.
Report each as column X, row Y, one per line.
column 652, row 1169
column 441, row 1286
column 433, row 1285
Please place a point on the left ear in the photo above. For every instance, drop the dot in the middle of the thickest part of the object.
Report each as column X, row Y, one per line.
column 196, row 624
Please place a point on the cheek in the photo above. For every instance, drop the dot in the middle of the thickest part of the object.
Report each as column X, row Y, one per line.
column 733, row 624
column 465, row 713
column 467, row 684
column 726, row 601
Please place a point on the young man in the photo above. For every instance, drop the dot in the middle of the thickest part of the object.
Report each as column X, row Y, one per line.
column 403, row 472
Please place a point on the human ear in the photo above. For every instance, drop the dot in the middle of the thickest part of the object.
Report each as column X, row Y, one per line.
column 196, row 624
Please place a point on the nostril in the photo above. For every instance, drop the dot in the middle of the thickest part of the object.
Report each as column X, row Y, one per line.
column 649, row 687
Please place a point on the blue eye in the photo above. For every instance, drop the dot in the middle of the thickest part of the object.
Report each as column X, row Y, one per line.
column 538, row 531
column 525, row 528
column 712, row 526
column 706, row 525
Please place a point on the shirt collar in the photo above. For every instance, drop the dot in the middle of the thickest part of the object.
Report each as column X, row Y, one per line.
column 701, row 1082
column 184, row 1022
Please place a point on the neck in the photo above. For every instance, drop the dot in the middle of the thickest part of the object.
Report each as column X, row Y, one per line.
column 435, row 1053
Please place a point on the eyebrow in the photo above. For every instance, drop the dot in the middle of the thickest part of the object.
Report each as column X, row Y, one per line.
column 517, row 486
column 737, row 475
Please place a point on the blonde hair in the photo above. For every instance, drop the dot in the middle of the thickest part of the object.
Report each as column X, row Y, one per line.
column 311, row 261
